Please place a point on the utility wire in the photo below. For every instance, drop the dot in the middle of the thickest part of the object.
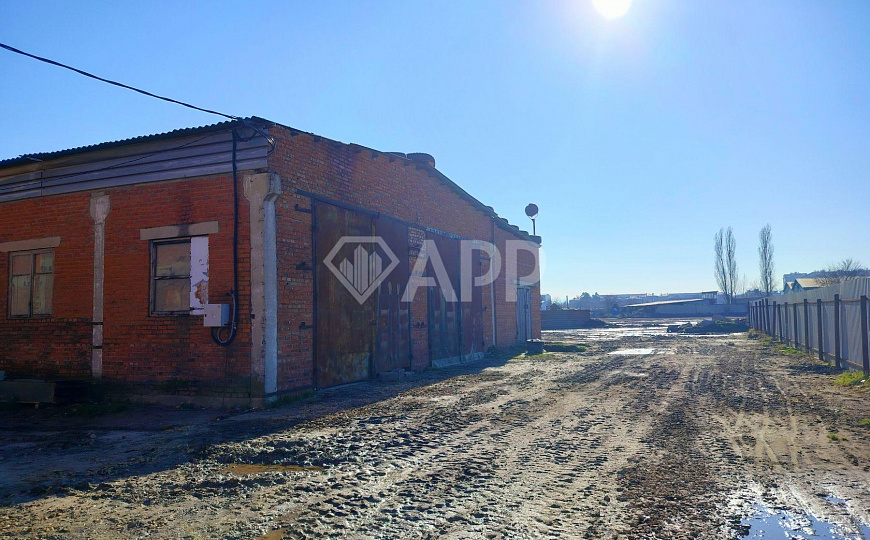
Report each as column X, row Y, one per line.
column 115, row 83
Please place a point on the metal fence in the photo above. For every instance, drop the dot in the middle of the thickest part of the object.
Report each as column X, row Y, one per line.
column 831, row 321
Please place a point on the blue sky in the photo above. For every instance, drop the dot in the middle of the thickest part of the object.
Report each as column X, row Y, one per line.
column 637, row 137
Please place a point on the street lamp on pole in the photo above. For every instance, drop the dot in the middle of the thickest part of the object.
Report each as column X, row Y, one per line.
column 532, row 212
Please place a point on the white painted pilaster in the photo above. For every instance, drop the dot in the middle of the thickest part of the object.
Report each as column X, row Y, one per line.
column 262, row 190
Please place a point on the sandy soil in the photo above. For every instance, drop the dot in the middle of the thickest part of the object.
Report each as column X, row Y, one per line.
column 681, row 443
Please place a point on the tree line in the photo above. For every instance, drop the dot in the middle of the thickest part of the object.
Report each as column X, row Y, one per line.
column 729, row 281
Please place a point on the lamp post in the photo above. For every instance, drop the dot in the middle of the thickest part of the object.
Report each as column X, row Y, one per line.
column 532, row 212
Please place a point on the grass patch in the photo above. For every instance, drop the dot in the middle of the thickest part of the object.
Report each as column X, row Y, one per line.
column 851, row 378
column 864, row 422
column 557, row 346
column 836, row 437
column 764, row 340
column 767, row 341
column 289, row 399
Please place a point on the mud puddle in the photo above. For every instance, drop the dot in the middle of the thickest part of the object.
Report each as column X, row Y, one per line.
column 767, row 522
column 274, row 534
column 619, row 329
column 633, row 352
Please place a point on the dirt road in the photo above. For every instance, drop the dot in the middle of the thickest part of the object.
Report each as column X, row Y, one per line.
column 674, row 437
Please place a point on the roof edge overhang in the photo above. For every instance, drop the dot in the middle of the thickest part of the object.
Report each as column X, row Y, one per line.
column 42, row 173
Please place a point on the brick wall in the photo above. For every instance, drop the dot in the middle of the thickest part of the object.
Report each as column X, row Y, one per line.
column 167, row 352
column 377, row 182
column 58, row 346
column 173, row 350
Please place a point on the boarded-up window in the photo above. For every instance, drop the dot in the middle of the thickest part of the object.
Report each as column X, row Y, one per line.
column 31, row 283
column 170, row 277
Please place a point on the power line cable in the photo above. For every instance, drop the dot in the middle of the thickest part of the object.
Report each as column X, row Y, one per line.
column 115, row 83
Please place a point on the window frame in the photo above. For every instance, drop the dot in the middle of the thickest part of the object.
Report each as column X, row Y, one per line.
column 153, row 278
column 32, row 253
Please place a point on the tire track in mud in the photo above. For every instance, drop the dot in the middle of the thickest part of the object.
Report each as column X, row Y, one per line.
column 590, row 445
column 495, row 474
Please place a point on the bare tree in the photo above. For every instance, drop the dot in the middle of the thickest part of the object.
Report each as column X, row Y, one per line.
column 720, row 270
column 725, row 248
column 731, row 262
column 765, row 258
column 843, row 271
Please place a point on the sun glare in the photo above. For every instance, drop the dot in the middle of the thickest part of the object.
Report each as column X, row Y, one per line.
column 612, row 9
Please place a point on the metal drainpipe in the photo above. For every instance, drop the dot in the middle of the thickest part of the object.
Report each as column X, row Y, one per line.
column 492, row 284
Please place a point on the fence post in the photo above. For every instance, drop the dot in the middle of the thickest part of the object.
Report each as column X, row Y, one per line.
column 758, row 316
column 821, row 335
column 760, row 308
column 770, row 306
column 807, row 325
column 785, row 323
column 797, row 339
column 762, row 313
column 864, row 343
column 773, row 321
column 837, row 331
column 782, row 326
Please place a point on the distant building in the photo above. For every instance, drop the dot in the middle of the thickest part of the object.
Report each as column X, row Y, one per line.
column 546, row 302
column 811, row 279
column 693, row 307
column 788, row 280
column 564, row 319
column 803, row 284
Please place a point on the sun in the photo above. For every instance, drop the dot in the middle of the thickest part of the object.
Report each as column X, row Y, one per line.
column 612, row 9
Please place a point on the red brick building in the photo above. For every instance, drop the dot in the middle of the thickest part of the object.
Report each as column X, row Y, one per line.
column 115, row 256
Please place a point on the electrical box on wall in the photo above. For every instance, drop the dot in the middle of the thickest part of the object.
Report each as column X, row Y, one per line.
column 216, row 315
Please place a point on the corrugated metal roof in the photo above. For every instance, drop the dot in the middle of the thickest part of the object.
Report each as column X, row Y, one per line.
column 668, row 302
column 44, row 156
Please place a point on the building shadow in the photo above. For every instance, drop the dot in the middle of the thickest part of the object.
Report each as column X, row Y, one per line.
column 58, row 450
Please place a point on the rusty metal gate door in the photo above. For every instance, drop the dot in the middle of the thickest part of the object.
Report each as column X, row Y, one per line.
column 345, row 326
column 393, row 342
column 444, row 318
column 524, row 314
column 472, row 313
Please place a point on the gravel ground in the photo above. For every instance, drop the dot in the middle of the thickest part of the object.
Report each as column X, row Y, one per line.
column 683, row 441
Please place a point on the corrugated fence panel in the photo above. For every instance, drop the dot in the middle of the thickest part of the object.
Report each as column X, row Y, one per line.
column 790, row 323
column 850, row 326
column 828, row 324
